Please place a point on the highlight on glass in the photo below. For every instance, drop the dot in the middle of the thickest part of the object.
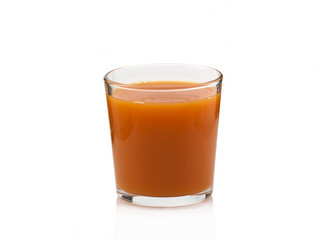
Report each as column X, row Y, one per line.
column 163, row 122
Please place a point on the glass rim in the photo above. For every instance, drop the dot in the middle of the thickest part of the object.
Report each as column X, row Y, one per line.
column 196, row 85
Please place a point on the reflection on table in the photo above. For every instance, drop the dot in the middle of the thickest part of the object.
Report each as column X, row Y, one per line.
column 188, row 222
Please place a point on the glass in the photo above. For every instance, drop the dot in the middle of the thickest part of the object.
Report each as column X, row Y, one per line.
column 164, row 121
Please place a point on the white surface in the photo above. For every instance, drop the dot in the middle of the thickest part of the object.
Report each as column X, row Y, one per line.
column 56, row 173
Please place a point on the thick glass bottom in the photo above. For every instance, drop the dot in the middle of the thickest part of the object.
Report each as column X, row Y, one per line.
column 165, row 201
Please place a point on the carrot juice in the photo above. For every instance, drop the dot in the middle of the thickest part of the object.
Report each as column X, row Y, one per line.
column 164, row 139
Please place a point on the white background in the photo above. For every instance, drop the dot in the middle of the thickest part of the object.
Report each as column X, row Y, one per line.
column 272, row 170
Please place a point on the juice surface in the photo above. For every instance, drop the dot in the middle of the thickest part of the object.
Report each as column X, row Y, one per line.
column 164, row 142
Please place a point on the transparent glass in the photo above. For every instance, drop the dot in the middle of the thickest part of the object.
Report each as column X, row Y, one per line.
column 164, row 121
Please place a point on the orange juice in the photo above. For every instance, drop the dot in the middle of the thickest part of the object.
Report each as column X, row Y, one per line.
column 163, row 141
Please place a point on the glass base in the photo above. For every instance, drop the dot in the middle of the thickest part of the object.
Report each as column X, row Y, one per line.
column 165, row 201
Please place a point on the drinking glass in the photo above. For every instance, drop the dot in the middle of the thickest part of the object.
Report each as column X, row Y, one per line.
column 164, row 121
